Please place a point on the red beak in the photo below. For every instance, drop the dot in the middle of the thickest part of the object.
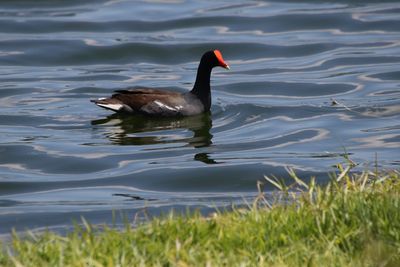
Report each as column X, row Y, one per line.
column 221, row 61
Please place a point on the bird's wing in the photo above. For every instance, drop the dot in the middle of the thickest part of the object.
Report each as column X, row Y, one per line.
column 159, row 106
column 146, row 91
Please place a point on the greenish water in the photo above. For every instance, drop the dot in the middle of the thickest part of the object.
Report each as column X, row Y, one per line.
column 61, row 157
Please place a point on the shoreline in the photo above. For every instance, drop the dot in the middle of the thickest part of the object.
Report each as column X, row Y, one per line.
column 354, row 220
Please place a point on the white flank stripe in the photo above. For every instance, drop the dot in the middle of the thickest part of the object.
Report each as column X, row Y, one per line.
column 115, row 107
column 164, row 106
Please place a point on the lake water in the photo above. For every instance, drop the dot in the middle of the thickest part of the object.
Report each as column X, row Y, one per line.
column 61, row 157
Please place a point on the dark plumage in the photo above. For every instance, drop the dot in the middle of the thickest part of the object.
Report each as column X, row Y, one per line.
column 168, row 103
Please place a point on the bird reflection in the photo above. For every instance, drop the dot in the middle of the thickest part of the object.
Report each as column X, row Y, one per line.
column 141, row 130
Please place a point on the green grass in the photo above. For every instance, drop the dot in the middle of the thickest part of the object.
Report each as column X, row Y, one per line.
column 352, row 221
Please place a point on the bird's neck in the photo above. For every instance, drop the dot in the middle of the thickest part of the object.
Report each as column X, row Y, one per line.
column 202, row 87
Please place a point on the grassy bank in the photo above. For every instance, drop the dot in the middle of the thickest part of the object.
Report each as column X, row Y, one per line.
column 352, row 221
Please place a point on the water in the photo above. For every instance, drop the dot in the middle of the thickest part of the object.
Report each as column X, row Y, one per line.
column 61, row 157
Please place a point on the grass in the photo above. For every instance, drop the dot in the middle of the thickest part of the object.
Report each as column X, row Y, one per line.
column 352, row 221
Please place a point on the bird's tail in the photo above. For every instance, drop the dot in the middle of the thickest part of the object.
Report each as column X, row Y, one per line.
column 109, row 103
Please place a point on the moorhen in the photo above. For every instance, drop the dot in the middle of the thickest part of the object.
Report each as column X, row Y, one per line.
column 157, row 102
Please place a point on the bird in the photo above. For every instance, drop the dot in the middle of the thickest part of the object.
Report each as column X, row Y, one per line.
column 168, row 103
